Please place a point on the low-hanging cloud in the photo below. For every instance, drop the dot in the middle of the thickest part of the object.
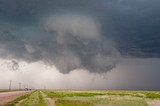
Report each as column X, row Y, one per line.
column 81, row 44
column 69, row 41
column 78, row 34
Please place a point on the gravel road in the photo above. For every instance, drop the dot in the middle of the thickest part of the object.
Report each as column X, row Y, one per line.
column 6, row 97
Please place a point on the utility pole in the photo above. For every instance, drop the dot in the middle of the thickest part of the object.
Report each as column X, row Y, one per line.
column 10, row 84
column 24, row 87
column 20, row 86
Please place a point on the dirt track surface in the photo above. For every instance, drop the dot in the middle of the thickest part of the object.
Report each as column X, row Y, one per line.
column 6, row 97
column 154, row 103
column 50, row 102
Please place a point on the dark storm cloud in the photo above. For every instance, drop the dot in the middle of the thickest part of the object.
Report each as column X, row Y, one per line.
column 78, row 33
column 134, row 25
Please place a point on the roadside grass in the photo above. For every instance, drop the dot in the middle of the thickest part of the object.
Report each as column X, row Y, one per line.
column 41, row 99
column 7, row 90
column 4, row 90
column 33, row 99
column 16, row 101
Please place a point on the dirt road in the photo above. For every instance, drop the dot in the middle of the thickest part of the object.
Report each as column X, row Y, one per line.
column 49, row 101
column 6, row 97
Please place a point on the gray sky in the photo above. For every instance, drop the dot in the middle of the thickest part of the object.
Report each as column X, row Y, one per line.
column 57, row 43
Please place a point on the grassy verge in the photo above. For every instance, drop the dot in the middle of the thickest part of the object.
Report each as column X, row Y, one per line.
column 41, row 100
column 33, row 99
column 16, row 101
column 8, row 90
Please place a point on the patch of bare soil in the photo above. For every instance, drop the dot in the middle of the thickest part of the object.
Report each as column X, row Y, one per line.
column 153, row 102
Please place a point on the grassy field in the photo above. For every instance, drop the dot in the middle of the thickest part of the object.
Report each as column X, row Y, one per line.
column 90, row 98
column 103, row 98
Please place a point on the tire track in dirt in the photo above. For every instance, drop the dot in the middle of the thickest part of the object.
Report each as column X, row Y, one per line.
column 49, row 101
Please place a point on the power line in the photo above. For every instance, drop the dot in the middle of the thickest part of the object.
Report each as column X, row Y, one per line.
column 20, row 86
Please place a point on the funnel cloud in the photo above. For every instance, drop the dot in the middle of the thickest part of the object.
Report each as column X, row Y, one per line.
column 69, row 42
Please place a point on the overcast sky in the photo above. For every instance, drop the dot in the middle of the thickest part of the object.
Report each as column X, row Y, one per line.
column 79, row 44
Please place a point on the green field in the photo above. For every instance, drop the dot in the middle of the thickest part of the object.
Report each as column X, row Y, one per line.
column 89, row 98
